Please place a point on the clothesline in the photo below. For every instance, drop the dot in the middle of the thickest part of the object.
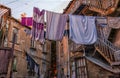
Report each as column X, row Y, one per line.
column 82, row 28
column 28, row 19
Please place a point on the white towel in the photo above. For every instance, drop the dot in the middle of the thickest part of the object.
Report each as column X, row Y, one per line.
column 82, row 29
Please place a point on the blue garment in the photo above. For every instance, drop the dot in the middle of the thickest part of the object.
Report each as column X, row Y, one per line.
column 36, row 69
column 82, row 29
column 33, row 66
column 31, row 62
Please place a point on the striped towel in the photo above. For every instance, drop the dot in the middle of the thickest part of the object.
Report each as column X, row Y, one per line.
column 55, row 25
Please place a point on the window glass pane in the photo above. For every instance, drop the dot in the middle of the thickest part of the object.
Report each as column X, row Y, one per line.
column 14, row 64
column 15, row 33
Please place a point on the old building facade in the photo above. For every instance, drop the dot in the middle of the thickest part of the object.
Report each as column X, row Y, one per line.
column 102, row 58
column 5, row 12
column 19, row 35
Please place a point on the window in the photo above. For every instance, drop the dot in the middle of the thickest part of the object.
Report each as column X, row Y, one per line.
column 1, row 36
column 45, row 47
column 6, row 34
column 81, row 67
column 44, row 67
column 73, row 74
column 15, row 64
column 32, row 43
column 32, row 47
column 15, row 35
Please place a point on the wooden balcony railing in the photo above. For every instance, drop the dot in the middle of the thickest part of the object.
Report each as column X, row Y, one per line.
column 103, row 29
column 101, row 4
column 106, row 31
column 108, row 50
column 104, row 7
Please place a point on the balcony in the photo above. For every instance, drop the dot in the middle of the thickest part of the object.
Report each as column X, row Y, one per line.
column 101, row 4
column 104, row 7
column 108, row 51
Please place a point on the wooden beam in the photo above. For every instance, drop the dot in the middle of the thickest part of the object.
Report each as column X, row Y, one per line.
column 103, row 11
column 109, row 61
column 9, row 73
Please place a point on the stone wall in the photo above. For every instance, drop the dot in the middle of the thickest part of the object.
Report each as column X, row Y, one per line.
column 23, row 45
column 94, row 71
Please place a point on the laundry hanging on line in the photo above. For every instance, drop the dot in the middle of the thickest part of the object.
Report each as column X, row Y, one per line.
column 82, row 29
column 38, row 25
column 33, row 66
column 55, row 25
column 27, row 21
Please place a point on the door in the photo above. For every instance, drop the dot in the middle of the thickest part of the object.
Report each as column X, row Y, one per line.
column 81, row 68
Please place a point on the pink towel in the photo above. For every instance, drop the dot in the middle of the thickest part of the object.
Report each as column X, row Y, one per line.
column 38, row 25
column 27, row 21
